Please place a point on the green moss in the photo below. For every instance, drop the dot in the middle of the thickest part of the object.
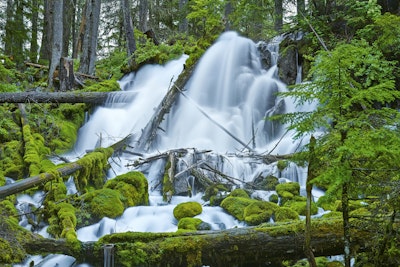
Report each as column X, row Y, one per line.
column 93, row 166
column 259, row 212
column 274, row 198
column 103, row 86
column 12, row 235
column 213, row 194
column 300, row 207
column 189, row 223
column 11, row 160
column 239, row 193
column 133, row 188
column 291, row 187
column 104, row 203
column 284, row 214
column 282, row 164
column 168, row 186
column 187, row 209
column 236, row 205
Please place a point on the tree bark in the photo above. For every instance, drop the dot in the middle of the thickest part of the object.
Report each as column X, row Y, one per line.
column 66, row 74
column 128, row 26
column 310, row 176
column 143, row 15
column 57, row 43
column 278, row 19
column 256, row 246
column 67, row 97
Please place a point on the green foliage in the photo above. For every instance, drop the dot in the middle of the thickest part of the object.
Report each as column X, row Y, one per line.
column 207, row 16
column 187, row 209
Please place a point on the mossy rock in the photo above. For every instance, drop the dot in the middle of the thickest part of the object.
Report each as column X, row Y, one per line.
column 104, row 203
column 239, row 193
column 337, row 264
column 187, row 209
column 285, row 214
column 301, row 207
column 266, row 183
column 291, row 187
column 236, row 205
column 259, row 212
column 274, row 198
column 132, row 186
column 214, row 194
column 193, row 224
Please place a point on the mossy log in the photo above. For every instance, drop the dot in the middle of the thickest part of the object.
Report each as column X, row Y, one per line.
column 67, row 97
column 42, row 178
column 256, row 246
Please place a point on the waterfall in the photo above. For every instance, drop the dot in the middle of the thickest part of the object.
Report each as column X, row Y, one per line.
column 223, row 106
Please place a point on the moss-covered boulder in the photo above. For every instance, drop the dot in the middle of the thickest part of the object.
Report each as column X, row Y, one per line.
column 274, row 198
column 104, row 203
column 132, row 186
column 287, row 191
column 266, row 183
column 236, row 205
column 259, row 212
column 285, row 214
column 215, row 194
column 193, row 224
column 239, row 193
column 187, row 209
column 300, row 206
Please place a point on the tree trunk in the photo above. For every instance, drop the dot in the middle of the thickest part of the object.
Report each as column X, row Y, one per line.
column 143, row 15
column 57, row 43
column 33, row 55
column 183, row 22
column 8, row 39
column 128, row 27
column 278, row 15
column 45, row 48
column 68, row 11
column 67, row 97
column 257, row 246
column 308, row 250
column 90, row 21
column 66, row 74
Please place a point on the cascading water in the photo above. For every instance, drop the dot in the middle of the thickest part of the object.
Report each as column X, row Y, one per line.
column 221, row 112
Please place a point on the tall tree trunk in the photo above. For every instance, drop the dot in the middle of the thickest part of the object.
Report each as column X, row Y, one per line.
column 8, row 40
column 183, row 22
column 301, row 9
column 143, row 15
column 346, row 224
column 278, row 15
column 128, row 27
column 89, row 44
column 34, row 33
column 19, row 35
column 310, row 176
column 228, row 11
column 68, row 11
column 56, row 48
column 81, row 32
column 45, row 48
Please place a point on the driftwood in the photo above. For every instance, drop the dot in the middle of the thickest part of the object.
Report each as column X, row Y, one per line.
column 33, row 181
column 255, row 246
column 66, row 97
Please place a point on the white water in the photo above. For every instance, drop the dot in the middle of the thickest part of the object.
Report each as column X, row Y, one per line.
column 229, row 86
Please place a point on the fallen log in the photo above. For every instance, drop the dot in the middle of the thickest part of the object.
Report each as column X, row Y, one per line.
column 67, row 97
column 268, row 245
column 24, row 184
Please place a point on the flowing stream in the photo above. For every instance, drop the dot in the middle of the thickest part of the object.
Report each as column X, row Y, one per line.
column 221, row 111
